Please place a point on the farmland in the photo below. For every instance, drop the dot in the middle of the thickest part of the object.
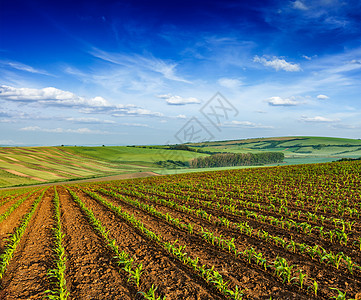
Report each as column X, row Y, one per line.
column 290, row 232
column 35, row 165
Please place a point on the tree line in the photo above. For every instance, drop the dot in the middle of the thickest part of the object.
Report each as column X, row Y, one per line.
column 237, row 159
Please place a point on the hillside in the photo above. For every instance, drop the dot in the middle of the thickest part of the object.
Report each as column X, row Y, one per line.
column 296, row 149
column 32, row 165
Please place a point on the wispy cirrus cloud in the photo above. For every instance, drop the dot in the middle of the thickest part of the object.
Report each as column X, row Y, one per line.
column 318, row 119
column 90, row 120
column 23, row 67
column 245, row 124
column 299, row 5
column 178, row 100
column 277, row 63
column 134, row 125
column 230, row 83
column 141, row 62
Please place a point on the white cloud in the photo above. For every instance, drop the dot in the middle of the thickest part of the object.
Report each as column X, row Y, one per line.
column 278, row 101
column 306, row 57
column 49, row 95
column 299, row 5
column 137, row 112
column 62, row 130
column 90, row 120
column 318, row 119
column 354, row 61
column 230, row 82
column 178, row 100
column 53, row 96
column 322, row 97
column 246, row 124
column 277, row 64
column 181, row 117
column 134, row 124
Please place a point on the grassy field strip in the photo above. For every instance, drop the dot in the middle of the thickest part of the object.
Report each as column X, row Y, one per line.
column 324, row 256
column 6, row 214
column 15, row 238
column 58, row 273
column 211, row 276
column 290, row 272
column 337, row 235
column 123, row 259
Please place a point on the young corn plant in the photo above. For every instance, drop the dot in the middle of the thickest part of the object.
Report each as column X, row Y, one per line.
column 124, row 260
column 150, row 295
column 14, row 239
column 58, row 273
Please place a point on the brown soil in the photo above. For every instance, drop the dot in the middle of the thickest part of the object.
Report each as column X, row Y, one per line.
column 172, row 277
column 26, row 277
column 91, row 273
column 8, row 226
column 235, row 270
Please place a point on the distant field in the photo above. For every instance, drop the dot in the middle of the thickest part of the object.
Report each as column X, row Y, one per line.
column 33, row 165
column 293, row 147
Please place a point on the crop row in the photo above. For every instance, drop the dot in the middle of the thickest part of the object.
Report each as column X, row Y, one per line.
column 123, row 259
column 281, row 267
column 244, row 227
column 210, row 275
column 339, row 234
column 58, row 273
column 8, row 212
column 14, row 239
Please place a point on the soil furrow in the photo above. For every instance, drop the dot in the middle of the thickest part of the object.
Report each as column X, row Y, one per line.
column 90, row 271
column 26, row 276
column 173, row 279
column 311, row 239
column 4, row 207
column 8, row 226
column 245, row 241
column 261, row 283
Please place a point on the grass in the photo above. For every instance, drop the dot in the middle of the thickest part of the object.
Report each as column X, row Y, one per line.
column 55, row 164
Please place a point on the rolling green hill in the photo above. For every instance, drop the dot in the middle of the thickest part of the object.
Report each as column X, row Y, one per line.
column 32, row 165
column 296, row 149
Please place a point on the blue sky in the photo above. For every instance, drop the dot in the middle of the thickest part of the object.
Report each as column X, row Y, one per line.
column 142, row 72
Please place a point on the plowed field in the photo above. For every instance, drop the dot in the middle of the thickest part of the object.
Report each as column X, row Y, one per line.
column 289, row 232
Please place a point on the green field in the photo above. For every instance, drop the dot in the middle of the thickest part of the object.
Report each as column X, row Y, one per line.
column 33, row 165
column 293, row 147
